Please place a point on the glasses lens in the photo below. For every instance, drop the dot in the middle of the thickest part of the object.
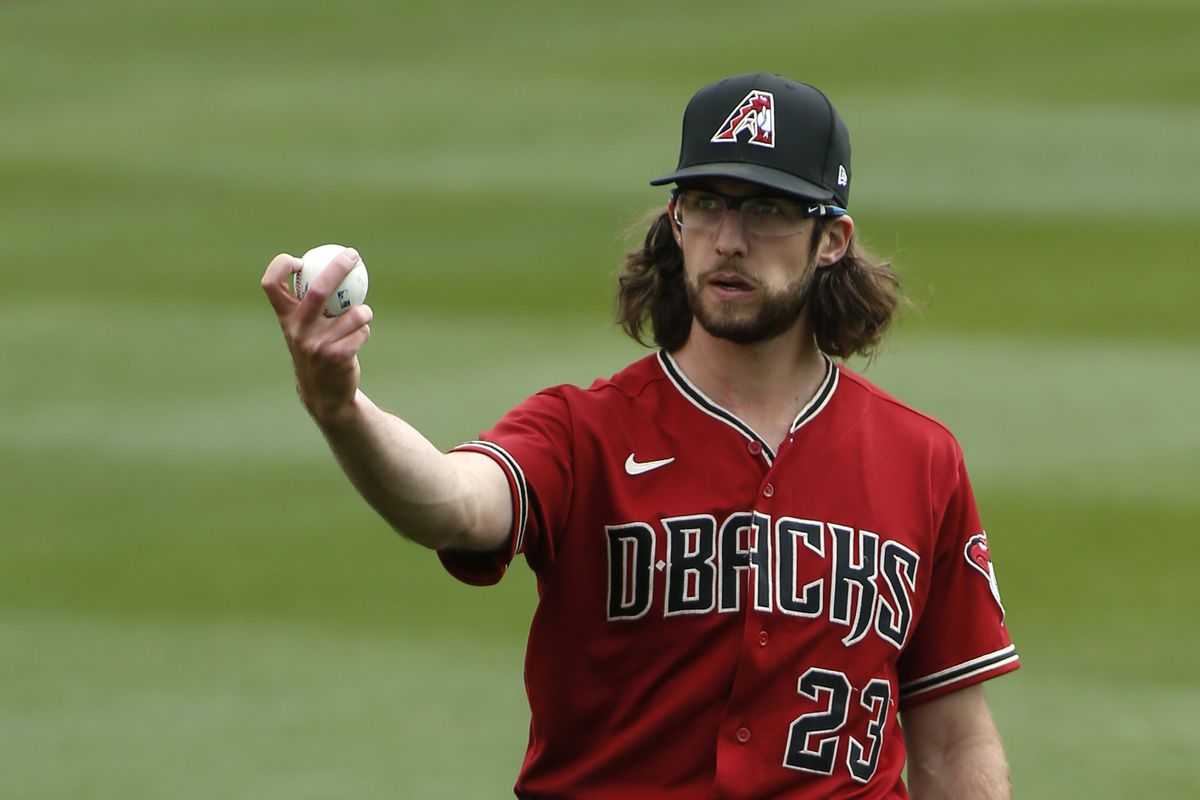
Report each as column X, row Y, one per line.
column 761, row 216
column 770, row 216
column 700, row 210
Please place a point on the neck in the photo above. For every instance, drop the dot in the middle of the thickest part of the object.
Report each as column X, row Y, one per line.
column 765, row 384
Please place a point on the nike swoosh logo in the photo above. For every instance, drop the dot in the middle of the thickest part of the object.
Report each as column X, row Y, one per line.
column 635, row 467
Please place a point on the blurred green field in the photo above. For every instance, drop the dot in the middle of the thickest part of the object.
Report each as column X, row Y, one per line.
column 194, row 603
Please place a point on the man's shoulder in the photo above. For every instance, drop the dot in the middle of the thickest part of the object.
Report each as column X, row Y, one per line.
column 628, row 384
column 624, row 395
column 631, row 399
column 883, row 410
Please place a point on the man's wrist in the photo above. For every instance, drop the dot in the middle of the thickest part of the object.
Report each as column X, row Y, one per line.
column 342, row 418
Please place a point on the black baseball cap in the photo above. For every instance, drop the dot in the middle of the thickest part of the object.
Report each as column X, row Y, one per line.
column 768, row 130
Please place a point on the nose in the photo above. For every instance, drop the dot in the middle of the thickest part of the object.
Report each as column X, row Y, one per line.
column 731, row 235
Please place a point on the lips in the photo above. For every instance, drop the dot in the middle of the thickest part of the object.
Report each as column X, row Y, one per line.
column 730, row 282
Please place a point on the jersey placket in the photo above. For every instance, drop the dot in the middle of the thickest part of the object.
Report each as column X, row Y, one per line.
column 738, row 752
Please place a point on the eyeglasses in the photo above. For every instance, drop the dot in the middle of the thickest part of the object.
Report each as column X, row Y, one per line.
column 761, row 216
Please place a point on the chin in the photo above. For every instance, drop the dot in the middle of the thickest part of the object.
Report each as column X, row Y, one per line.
column 736, row 330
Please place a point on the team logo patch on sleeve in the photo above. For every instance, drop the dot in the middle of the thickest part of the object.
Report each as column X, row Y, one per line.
column 756, row 114
column 979, row 556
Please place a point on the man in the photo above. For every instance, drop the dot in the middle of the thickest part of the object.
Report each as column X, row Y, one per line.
column 752, row 564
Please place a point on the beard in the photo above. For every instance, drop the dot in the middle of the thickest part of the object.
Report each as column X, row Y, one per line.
column 776, row 314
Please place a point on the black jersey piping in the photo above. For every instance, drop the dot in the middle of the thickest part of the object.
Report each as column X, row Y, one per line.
column 690, row 391
column 960, row 672
column 822, row 397
column 501, row 455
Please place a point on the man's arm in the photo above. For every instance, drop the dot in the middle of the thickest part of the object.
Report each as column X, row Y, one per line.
column 954, row 749
column 457, row 500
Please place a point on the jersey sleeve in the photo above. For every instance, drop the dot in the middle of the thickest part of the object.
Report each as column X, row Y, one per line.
column 961, row 638
column 532, row 446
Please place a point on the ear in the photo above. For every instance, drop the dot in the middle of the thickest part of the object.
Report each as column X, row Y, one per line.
column 835, row 240
column 674, row 226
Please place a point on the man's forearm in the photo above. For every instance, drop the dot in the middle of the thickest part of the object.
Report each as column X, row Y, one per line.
column 439, row 500
column 429, row 497
column 976, row 770
column 954, row 749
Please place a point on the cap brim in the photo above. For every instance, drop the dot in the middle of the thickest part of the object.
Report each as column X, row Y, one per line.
column 755, row 173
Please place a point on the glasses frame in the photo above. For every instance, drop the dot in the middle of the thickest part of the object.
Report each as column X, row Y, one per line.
column 809, row 209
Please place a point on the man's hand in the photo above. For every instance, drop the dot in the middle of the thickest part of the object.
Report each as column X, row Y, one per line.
column 324, row 351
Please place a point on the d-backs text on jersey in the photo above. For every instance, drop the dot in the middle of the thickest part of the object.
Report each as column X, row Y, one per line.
column 866, row 584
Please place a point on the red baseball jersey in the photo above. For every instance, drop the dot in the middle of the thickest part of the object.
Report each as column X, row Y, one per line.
column 717, row 619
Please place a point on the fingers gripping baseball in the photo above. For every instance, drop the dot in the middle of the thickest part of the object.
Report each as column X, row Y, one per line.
column 324, row 350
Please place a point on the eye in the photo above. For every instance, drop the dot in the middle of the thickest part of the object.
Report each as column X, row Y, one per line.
column 706, row 202
column 764, row 207
column 772, row 208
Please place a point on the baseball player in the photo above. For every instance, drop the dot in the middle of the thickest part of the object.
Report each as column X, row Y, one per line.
column 759, row 575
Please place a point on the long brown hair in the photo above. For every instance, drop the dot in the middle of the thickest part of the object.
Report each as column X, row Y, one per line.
column 850, row 306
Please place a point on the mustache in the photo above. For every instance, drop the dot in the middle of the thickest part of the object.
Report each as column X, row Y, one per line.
column 730, row 266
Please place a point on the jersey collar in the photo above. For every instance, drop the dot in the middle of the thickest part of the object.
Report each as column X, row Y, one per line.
column 692, row 393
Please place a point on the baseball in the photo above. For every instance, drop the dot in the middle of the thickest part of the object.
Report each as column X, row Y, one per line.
column 350, row 292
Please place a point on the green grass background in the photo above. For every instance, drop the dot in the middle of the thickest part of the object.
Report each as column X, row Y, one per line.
column 193, row 601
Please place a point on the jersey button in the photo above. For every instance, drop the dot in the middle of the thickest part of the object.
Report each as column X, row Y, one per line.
column 763, row 638
column 768, row 490
column 742, row 735
column 755, row 448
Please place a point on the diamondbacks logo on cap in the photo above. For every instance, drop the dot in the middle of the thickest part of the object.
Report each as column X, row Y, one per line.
column 756, row 113
column 979, row 556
